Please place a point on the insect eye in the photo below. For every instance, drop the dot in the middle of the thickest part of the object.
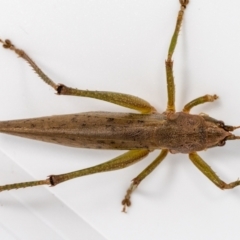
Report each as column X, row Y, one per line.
column 221, row 143
column 221, row 124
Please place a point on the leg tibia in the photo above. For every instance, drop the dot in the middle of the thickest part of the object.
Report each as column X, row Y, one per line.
column 209, row 173
column 8, row 45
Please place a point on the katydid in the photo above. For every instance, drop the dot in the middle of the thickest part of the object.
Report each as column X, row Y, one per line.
column 170, row 131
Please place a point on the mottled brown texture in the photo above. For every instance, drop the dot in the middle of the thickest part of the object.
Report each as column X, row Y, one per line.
column 178, row 132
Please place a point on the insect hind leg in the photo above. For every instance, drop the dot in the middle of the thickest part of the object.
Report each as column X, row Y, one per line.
column 121, row 99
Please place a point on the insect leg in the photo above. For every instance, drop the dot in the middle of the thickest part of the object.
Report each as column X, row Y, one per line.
column 119, row 162
column 169, row 61
column 121, row 99
column 126, row 202
column 209, row 173
column 199, row 100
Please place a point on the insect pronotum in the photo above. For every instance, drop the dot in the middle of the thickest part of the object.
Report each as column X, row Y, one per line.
column 170, row 131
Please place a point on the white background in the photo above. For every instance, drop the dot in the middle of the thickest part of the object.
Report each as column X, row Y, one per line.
column 118, row 45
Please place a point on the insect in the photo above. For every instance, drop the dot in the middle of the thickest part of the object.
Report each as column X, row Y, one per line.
column 170, row 131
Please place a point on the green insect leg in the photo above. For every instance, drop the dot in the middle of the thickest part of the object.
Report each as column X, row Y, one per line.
column 169, row 61
column 121, row 99
column 126, row 202
column 199, row 100
column 209, row 173
column 119, row 162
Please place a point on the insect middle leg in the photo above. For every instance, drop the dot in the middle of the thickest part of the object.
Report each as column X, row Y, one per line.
column 121, row 99
column 209, row 173
column 169, row 61
column 126, row 202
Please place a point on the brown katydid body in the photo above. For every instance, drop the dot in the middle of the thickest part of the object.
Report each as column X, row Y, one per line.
column 123, row 131
column 170, row 131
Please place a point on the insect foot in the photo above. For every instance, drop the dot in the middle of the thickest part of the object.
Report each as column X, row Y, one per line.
column 184, row 3
column 126, row 202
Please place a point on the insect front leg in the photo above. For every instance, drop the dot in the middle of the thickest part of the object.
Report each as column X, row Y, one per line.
column 209, row 173
column 169, row 61
column 126, row 202
column 199, row 100
column 121, row 99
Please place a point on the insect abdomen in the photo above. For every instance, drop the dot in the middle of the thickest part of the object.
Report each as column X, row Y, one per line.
column 89, row 130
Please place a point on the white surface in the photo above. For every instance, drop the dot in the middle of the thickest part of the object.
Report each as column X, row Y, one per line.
column 118, row 46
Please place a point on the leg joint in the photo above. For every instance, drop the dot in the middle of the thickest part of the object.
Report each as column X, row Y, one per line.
column 184, row 3
column 61, row 89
